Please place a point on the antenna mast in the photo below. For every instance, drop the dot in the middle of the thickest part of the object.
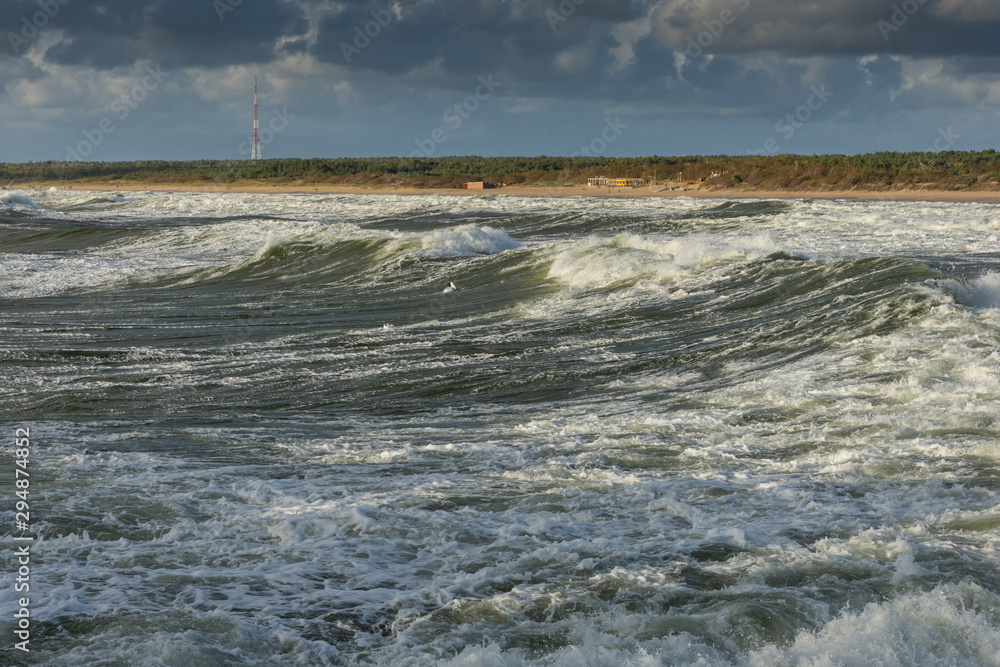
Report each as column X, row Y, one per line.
column 255, row 155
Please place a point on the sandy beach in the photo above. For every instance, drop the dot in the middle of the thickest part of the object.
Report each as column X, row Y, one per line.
column 669, row 190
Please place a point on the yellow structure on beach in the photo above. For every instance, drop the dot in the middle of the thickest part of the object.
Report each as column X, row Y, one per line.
column 602, row 182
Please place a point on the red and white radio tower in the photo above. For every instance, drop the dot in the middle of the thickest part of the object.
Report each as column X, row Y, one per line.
column 255, row 155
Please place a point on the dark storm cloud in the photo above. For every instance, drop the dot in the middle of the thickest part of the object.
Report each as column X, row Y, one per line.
column 624, row 51
column 111, row 33
column 393, row 63
column 460, row 38
column 14, row 69
column 852, row 27
column 536, row 43
column 466, row 36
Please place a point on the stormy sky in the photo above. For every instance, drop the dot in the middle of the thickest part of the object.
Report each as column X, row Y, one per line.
column 173, row 79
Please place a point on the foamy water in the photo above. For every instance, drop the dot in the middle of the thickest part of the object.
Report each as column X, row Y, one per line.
column 644, row 432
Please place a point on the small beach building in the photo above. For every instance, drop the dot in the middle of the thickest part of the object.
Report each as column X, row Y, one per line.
column 602, row 182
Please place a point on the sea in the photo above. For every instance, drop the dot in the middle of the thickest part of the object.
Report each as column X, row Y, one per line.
column 255, row 430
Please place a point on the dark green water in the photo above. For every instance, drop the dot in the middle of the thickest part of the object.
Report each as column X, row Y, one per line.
column 642, row 432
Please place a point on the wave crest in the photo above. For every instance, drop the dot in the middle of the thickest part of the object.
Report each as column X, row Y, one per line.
column 465, row 241
column 981, row 292
column 600, row 262
column 14, row 201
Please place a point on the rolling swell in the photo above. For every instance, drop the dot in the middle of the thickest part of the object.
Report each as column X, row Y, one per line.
column 743, row 209
column 766, row 314
column 532, row 321
column 59, row 236
column 513, row 335
column 353, row 256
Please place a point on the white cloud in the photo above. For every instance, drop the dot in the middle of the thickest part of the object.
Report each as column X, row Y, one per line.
column 928, row 83
column 969, row 11
column 572, row 61
column 628, row 34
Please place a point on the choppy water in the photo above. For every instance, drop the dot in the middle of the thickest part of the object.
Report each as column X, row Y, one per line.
column 644, row 432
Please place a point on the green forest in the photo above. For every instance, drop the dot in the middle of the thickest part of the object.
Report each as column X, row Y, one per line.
column 953, row 170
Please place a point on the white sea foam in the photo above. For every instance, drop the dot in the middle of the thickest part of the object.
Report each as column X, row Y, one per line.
column 162, row 253
column 337, row 491
column 17, row 201
column 460, row 241
column 44, row 275
column 600, row 262
column 950, row 626
column 982, row 292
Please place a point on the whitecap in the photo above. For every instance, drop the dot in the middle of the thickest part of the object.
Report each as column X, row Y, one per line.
column 14, row 201
column 599, row 262
column 983, row 292
column 466, row 241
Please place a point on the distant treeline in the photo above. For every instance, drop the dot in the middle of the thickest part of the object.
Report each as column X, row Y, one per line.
column 876, row 171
